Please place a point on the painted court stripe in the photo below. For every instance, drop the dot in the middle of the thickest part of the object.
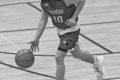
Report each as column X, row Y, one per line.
column 19, row 3
column 27, row 70
column 43, row 74
column 11, row 53
column 10, row 42
column 34, row 7
column 96, row 43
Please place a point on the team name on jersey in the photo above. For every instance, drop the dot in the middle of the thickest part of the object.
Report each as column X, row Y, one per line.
column 54, row 12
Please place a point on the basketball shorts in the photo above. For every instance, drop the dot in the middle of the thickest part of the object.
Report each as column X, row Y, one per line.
column 68, row 40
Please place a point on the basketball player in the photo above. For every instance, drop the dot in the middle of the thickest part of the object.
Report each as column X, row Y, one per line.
column 64, row 15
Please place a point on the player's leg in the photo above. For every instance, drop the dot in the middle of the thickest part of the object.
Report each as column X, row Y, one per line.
column 60, row 69
column 66, row 43
column 87, row 57
column 82, row 54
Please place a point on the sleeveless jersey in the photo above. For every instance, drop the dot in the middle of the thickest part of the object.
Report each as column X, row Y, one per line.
column 59, row 13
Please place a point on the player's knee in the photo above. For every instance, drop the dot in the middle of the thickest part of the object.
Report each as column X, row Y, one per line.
column 75, row 54
column 59, row 57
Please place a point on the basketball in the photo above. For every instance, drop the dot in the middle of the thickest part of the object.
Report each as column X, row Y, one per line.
column 24, row 58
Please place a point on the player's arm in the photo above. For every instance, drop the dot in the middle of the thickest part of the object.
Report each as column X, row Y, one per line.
column 40, row 30
column 41, row 25
column 80, row 4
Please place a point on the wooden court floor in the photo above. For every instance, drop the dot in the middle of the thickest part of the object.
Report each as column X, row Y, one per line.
column 100, row 35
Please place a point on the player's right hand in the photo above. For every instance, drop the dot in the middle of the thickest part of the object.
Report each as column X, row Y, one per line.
column 34, row 45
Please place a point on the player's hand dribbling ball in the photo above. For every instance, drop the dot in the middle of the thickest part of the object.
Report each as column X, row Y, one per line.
column 24, row 58
column 34, row 45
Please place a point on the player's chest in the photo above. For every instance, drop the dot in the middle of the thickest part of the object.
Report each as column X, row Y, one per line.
column 59, row 8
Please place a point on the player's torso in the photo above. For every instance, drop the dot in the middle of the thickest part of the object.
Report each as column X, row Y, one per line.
column 59, row 12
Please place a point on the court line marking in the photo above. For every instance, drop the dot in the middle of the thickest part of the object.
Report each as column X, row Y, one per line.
column 19, row 3
column 27, row 70
column 96, row 43
column 109, row 22
column 10, row 42
column 112, row 78
column 34, row 6
column 18, row 30
column 12, row 53
column 32, row 72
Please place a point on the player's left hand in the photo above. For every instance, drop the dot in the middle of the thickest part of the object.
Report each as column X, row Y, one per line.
column 71, row 22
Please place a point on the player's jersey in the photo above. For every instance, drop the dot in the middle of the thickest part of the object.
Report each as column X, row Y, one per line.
column 59, row 13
